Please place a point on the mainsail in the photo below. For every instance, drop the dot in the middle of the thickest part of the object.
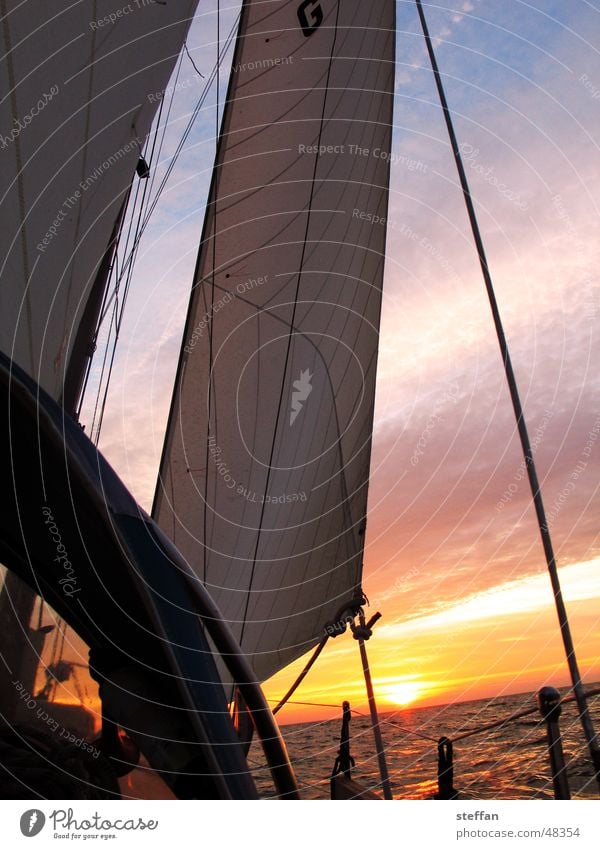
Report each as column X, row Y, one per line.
column 81, row 85
column 80, row 88
column 263, row 479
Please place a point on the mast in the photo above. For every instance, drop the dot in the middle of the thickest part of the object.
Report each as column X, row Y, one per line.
column 565, row 630
column 83, row 347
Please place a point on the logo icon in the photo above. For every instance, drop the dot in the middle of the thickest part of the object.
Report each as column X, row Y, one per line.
column 32, row 822
column 310, row 15
column 302, row 388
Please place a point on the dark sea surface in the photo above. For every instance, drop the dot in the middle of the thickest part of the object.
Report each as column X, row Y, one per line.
column 509, row 762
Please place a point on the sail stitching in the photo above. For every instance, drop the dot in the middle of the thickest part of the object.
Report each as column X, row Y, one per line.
column 212, row 298
column 252, row 573
column 343, row 538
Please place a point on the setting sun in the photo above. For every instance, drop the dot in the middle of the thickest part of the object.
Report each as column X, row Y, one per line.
column 404, row 692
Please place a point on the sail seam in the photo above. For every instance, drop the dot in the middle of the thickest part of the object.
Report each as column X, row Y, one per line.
column 212, row 298
column 289, row 343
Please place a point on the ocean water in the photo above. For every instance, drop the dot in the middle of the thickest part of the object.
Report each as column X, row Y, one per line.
column 509, row 762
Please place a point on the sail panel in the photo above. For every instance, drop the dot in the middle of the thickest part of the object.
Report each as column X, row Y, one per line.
column 81, row 86
column 263, row 480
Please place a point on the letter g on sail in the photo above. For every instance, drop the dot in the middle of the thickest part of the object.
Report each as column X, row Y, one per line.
column 310, row 15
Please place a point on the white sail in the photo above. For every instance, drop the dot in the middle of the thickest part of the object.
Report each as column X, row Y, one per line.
column 263, row 480
column 80, row 87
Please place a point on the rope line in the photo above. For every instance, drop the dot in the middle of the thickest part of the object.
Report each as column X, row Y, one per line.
column 518, row 715
column 586, row 721
column 462, row 736
column 302, row 676
column 143, row 218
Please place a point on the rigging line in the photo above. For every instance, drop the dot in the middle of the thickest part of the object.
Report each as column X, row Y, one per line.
column 302, row 675
column 375, row 723
column 118, row 318
column 292, row 320
column 107, row 300
column 119, row 274
column 129, row 260
column 310, row 704
column 145, row 194
column 103, row 304
column 166, row 122
column 586, row 720
column 101, row 379
column 518, row 715
column 105, row 363
column 397, row 725
column 383, row 721
column 136, row 216
column 496, row 724
column 109, row 295
column 186, row 134
column 196, row 291
column 212, row 301
column 119, row 311
column 185, row 47
column 464, row 735
column 115, row 290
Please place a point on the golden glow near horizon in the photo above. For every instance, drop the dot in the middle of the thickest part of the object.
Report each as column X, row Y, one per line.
column 403, row 692
column 579, row 582
column 499, row 641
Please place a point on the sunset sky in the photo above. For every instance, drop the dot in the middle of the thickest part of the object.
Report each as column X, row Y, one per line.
column 453, row 559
